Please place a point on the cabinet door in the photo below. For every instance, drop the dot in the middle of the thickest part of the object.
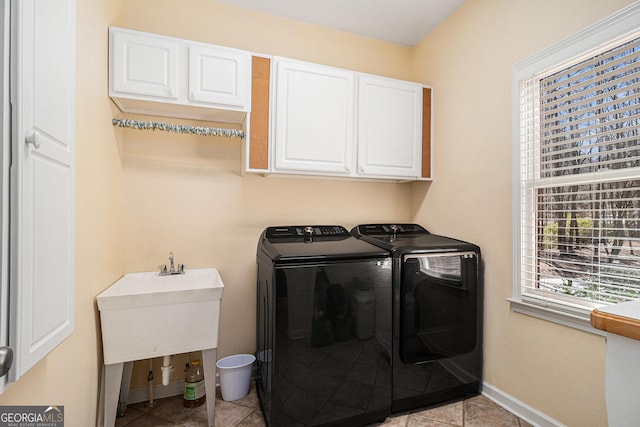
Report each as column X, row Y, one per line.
column 389, row 127
column 314, row 118
column 42, row 178
column 219, row 76
column 144, row 64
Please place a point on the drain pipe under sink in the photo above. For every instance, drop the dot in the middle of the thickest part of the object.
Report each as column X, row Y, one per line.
column 167, row 369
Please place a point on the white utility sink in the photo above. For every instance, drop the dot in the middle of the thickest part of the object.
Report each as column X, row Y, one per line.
column 150, row 288
column 146, row 315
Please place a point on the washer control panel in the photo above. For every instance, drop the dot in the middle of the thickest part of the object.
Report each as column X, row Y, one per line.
column 306, row 231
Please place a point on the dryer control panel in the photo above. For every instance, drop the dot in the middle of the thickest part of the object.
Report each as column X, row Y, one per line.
column 390, row 229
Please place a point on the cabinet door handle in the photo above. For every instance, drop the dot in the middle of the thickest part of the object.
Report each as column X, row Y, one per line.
column 33, row 139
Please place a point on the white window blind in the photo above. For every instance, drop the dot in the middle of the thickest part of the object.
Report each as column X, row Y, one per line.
column 579, row 178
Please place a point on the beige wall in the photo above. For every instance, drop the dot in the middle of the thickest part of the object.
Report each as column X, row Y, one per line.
column 70, row 375
column 468, row 59
column 142, row 194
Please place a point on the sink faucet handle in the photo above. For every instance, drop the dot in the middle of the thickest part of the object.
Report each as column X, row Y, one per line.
column 181, row 268
column 171, row 261
column 163, row 268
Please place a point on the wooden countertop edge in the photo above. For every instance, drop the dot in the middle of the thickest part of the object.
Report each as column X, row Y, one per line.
column 619, row 325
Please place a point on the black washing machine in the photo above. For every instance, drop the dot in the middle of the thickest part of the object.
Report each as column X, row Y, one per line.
column 323, row 327
column 437, row 314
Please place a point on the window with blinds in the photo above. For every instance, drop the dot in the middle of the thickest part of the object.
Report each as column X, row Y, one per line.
column 579, row 180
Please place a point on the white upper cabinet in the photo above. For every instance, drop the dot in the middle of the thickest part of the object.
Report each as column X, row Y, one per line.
column 166, row 76
column 144, row 64
column 314, row 117
column 42, row 178
column 219, row 77
column 389, row 127
column 335, row 122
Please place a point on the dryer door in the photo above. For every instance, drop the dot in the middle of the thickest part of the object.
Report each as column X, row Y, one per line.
column 438, row 305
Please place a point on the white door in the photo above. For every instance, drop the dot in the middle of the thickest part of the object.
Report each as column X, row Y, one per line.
column 42, row 174
column 389, row 127
column 144, row 64
column 219, row 76
column 314, row 110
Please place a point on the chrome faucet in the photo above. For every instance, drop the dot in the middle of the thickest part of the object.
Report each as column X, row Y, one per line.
column 172, row 269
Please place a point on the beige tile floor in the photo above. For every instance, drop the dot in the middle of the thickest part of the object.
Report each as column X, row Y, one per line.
column 474, row 412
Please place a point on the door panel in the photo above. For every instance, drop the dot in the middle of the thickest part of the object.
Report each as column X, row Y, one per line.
column 314, row 118
column 389, row 127
column 52, row 196
column 217, row 76
column 145, row 65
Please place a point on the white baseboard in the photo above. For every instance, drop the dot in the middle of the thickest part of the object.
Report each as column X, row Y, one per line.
column 519, row 408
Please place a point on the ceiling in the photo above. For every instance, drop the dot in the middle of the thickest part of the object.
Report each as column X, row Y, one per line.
column 403, row 22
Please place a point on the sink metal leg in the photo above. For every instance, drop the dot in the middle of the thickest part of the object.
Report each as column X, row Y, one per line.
column 209, row 367
column 124, row 388
column 112, row 380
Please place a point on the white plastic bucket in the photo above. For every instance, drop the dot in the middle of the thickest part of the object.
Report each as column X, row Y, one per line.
column 235, row 375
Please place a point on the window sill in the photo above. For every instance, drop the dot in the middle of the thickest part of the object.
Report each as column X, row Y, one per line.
column 575, row 321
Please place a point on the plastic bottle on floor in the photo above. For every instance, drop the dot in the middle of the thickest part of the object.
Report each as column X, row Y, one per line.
column 194, row 391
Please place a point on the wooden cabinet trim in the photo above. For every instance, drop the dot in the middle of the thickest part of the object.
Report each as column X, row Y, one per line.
column 426, row 133
column 259, row 127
